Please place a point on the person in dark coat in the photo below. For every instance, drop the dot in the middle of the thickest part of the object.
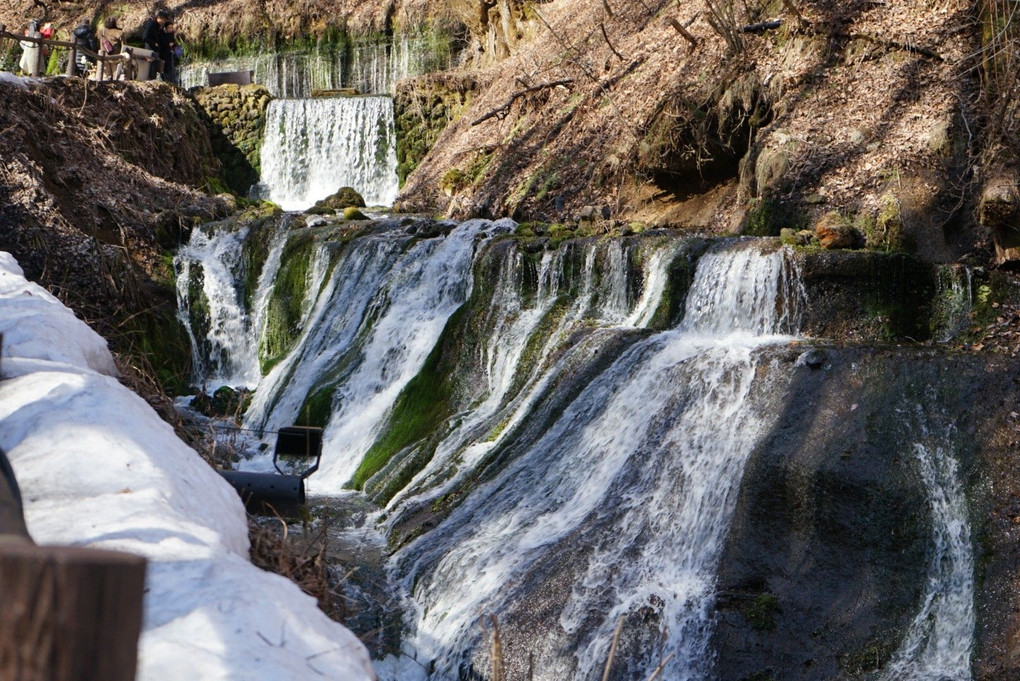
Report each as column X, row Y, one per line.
column 166, row 43
column 85, row 37
column 151, row 30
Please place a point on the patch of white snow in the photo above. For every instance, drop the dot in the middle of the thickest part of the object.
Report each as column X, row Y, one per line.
column 98, row 468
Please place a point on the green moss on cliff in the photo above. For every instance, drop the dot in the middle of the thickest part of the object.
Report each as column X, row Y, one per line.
column 284, row 313
column 423, row 107
column 423, row 404
column 236, row 119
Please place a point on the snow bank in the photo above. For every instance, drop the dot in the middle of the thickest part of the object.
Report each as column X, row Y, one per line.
column 98, row 468
column 10, row 78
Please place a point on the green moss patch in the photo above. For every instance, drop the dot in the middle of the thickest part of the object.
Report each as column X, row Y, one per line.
column 423, row 404
column 284, row 313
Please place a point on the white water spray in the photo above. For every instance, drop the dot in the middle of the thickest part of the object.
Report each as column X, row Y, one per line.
column 313, row 147
column 650, row 471
column 938, row 642
column 514, row 321
column 228, row 352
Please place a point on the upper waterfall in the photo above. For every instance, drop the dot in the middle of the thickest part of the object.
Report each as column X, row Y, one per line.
column 313, row 147
column 369, row 65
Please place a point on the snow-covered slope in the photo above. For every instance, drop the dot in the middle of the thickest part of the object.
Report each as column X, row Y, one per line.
column 98, row 468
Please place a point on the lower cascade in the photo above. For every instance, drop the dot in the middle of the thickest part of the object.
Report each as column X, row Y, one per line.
column 607, row 445
column 939, row 640
column 313, row 147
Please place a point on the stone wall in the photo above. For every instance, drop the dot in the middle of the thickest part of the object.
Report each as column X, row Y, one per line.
column 423, row 107
column 237, row 121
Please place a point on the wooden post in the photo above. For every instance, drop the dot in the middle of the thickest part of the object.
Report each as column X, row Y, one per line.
column 69, row 613
column 66, row 613
column 72, row 57
column 37, row 68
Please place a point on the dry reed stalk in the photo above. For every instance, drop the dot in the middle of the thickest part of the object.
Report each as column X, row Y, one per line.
column 662, row 665
column 612, row 648
column 496, row 653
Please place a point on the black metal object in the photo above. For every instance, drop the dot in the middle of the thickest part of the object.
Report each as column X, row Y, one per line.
column 280, row 493
column 232, row 77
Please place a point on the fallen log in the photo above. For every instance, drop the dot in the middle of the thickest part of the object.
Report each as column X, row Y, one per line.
column 504, row 108
column 761, row 26
column 684, row 32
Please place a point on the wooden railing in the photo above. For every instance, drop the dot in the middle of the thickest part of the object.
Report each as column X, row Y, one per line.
column 118, row 63
column 66, row 613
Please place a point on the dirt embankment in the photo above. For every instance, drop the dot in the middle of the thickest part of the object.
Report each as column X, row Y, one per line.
column 97, row 180
column 873, row 110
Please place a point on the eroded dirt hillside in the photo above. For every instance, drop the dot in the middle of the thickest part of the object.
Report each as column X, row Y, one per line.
column 670, row 113
column 97, row 180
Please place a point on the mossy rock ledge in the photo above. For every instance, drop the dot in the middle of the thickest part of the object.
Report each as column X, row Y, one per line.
column 236, row 118
column 346, row 197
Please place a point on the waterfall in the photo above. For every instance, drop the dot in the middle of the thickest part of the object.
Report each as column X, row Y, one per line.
column 399, row 325
column 641, row 469
column 939, row 640
column 954, row 301
column 210, row 272
column 371, row 66
column 512, row 384
column 313, row 147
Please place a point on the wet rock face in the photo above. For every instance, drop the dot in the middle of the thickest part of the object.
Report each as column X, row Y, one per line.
column 825, row 558
column 828, row 553
column 864, row 295
column 236, row 121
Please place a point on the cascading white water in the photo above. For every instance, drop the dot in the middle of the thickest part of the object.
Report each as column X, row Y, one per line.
column 369, row 66
column 651, row 471
column 313, row 147
column 367, row 332
column 513, row 322
column 331, row 329
column 425, row 286
column 228, row 354
column 939, row 640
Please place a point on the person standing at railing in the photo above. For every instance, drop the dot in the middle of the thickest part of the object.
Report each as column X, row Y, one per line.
column 29, row 63
column 110, row 43
column 167, row 41
column 47, row 34
column 85, row 37
column 151, row 29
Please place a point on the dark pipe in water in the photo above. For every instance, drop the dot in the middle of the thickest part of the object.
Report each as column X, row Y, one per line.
column 280, row 493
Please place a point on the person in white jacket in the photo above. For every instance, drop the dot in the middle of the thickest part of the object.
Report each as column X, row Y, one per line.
column 30, row 51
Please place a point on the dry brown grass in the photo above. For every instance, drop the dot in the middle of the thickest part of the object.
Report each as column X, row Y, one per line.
column 301, row 559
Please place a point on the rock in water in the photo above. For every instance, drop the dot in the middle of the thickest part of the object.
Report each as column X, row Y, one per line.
column 345, row 197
